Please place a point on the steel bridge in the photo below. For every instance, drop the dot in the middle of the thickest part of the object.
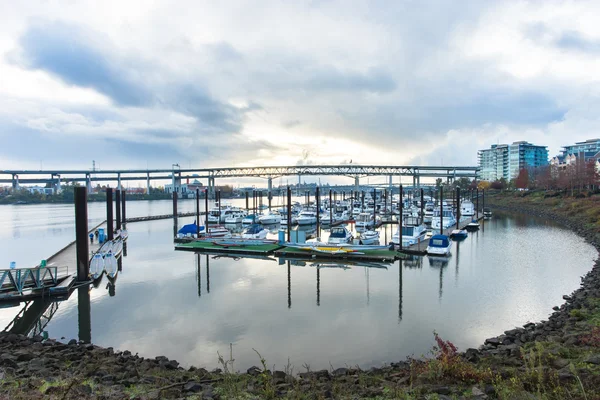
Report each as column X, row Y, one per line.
column 176, row 174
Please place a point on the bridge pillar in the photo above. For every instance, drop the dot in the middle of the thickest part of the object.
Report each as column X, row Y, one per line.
column 211, row 187
column 356, row 184
column 148, row 183
column 57, row 187
column 15, row 182
column 119, row 181
column 390, row 185
column 270, row 190
column 414, row 182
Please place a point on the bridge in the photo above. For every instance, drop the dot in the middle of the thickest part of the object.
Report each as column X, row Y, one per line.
column 176, row 174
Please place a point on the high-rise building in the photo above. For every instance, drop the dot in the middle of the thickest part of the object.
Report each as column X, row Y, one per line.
column 505, row 161
column 589, row 146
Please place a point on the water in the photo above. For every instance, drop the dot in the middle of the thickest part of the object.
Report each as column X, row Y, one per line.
column 511, row 272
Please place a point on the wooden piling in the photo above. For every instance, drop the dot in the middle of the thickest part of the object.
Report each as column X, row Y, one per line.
column 374, row 208
column 422, row 206
column 219, row 200
column 401, row 207
column 289, row 214
column 81, row 234
column 457, row 208
column 330, row 210
column 318, row 198
column 175, row 214
column 109, row 214
column 441, row 210
column 477, row 204
column 118, row 208
column 123, row 207
column 197, row 212
column 206, row 212
column 247, row 210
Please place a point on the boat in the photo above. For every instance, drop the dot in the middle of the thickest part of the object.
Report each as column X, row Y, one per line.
column 117, row 247
column 111, row 266
column 333, row 249
column 271, row 217
column 97, row 266
column 123, row 234
column 340, row 235
column 467, row 208
column 411, row 234
column 215, row 231
column 448, row 217
column 459, row 234
column 472, row 226
column 238, row 241
column 487, row 213
column 439, row 245
column 250, row 219
column 307, row 217
column 255, row 231
column 189, row 230
column 235, row 217
column 365, row 220
column 368, row 237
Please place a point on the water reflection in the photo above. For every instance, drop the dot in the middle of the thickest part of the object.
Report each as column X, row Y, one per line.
column 441, row 263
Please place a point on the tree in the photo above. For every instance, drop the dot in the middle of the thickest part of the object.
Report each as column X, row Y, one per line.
column 499, row 185
column 483, row 185
column 522, row 181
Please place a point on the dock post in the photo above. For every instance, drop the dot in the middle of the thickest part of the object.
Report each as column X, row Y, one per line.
column 374, row 209
column 330, row 210
column 422, row 206
column 109, row 214
column 123, row 208
column 477, row 204
column 317, row 198
column 483, row 198
column 270, row 192
column 260, row 200
column 401, row 206
column 81, row 234
column 441, row 210
column 362, row 201
column 308, row 198
column 206, row 211
column 219, row 200
column 174, row 214
column 118, row 209
column 197, row 212
column 457, row 208
column 247, row 210
column 289, row 214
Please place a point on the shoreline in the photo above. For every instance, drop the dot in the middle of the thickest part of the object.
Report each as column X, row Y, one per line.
column 550, row 358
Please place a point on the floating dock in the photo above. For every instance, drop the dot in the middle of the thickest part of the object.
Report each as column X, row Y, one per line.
column 209, row 247
column 371, row 255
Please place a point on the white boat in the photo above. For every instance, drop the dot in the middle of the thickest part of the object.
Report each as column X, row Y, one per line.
column 255, row 231
column 214, row 215
column 110, row 265
column 458, row 234
column 250, row 219
column 96, row 266
column 117, row 247
column 235, row 217
column 272, row 217
column 439, row 245
column 369, row 237
column 341, row 216
column 467, row 208
column 411, row 234
column 448, row 218
column 339, row 235
column 487, row 213
column 123, row 234
column 365, row 220
column 215, row 231
column 307, row 218
column 472, row 226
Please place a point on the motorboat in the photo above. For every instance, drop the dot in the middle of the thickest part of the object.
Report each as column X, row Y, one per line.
column 215, row 231
column 96, row 266
column 235, row 217
column 214, row 215
column 439, row 245
column 269, row 218
column 255, row 231
column 487, row 213
column 472, row 226
column 110, row 265
column 335, row 249
column 459, row 234
column 369, row 237
column 307, row 217
column 250, row 219
column 365, row 220
column 467, row 208
column 339, row 235
column 448, row 218
column 411, row 234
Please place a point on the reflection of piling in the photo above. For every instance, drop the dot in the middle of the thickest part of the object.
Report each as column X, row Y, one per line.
column 399, row 290
column 289, row 284
column 318, row 286
column 81, row 234
column 84, row 315
column 118, row 209
column 109, row 214
column 207, row 274
column 199, row 275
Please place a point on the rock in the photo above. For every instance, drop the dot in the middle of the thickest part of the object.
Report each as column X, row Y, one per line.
column 593, row 359
column 253, row 371
column 192, row 387
column 439, row 389
column 322, row 374
column 83, row 390
column 565, row 376
column 108, row 378
column 340, row 372
column 478, row 393
column 207, row 392
column 25, row 357
column 72, row 342
column 559, row 363
column 472, row 355
column 492, row 341
column 53, row 390
column 279, row 377
column 37, row 339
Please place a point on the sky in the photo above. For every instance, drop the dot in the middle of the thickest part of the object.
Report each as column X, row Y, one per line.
column 136, row 84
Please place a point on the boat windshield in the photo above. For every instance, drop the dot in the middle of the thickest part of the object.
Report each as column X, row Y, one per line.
column 338, row 233
column 253, row 229
column 408, row 230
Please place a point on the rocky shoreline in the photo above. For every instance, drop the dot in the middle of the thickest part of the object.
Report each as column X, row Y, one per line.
column 557, row 358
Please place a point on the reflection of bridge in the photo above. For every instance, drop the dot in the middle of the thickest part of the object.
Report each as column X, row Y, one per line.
column 33, row 317
column 55, row 177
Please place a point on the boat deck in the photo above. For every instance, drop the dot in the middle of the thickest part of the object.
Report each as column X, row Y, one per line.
column 262, row 249
column 372, row 255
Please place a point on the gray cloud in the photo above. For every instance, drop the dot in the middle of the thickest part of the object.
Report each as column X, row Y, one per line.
column 573, row 40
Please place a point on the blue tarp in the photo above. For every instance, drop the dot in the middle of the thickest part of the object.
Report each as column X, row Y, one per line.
column 439, row 241
column 254, row 229
column 190, row 228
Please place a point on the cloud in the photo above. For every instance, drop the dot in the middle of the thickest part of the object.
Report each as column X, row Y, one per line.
column 573, row 40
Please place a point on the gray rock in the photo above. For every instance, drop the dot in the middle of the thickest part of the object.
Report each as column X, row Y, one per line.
column 253, row 371
column 559, row 363
column 207, row 392
column 492, row 341
column 593, row 359
column 72, row 342
column 340, row 372
column 472, row 355
column 192, row 387
column 439, row 389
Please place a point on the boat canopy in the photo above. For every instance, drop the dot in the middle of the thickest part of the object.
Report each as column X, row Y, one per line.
column 338, row 233
column 254, row 229
column 190, row 228
column 439, row 241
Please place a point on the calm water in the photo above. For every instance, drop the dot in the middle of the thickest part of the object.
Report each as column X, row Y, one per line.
column 188, row 307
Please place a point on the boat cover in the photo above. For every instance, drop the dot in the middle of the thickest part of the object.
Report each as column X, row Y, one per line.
column 439, row 241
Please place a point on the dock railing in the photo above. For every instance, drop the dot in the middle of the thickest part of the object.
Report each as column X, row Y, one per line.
column 20, row 279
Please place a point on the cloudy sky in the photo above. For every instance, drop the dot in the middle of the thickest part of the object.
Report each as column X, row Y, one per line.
column 152, row 83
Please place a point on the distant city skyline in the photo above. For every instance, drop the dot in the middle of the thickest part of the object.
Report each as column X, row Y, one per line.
column 239, row 83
